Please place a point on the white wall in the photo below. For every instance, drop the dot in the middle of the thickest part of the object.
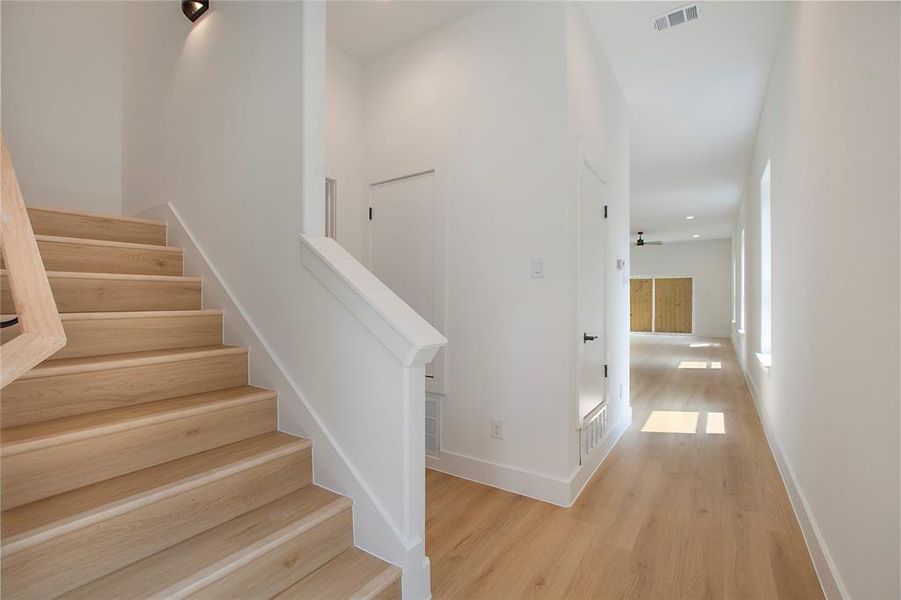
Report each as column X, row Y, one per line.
column 483, row 99
column 709, row 262
column 831, row 401
column 598, row 132
column 486, row 100
column 344, row 146
column 62, row 102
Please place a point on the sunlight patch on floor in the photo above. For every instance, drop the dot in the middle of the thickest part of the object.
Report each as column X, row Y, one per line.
column 700, row 364
column 671, row 421
column 693, row 364
column 704, row 345
column 716, row 423
column 684, row 421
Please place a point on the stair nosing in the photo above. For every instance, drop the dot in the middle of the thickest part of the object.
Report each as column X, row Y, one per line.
column 125, row 424
column 379, row 583
column 108, row 362
column 52, row 530
column 229, row 564
column 134, row 314
column 79, row 213
column 115, row 276
column 59, row 239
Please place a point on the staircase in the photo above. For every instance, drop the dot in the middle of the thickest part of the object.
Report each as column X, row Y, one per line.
column 137, row 462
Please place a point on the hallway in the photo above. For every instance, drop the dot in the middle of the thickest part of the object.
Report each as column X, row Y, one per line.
column 698, row 513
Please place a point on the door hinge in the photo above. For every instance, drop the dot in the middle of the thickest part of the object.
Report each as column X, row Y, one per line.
column 605, row 370
column 370, row 213
column 605, row 211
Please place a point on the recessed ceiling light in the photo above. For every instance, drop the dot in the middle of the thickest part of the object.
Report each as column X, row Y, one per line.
column 690, row 217
column 696, row 235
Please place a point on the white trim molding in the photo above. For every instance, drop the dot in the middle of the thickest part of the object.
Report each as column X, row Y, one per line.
column 400, row 328
column 561, row 491
column 830, row 581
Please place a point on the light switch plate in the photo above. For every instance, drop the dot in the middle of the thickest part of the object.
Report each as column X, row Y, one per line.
column 537, row 267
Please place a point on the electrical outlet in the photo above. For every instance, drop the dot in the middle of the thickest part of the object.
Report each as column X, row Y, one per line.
column 497, row 429
column 620, row 391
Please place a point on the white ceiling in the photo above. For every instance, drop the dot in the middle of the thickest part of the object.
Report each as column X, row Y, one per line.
column 365, row 29
column 695, row 93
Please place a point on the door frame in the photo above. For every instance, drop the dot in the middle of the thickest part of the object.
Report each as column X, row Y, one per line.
column 654, row 279
column 403, row 169
column 587, row 161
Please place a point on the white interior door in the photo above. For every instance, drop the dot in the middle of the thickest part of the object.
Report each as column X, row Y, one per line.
column 402, row 246
column 592, row 312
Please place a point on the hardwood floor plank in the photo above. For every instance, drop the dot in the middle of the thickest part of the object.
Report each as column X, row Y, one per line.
column 667, row 515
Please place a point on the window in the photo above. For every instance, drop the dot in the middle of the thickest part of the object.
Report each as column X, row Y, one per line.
column 741, row 287
column 734, row 283
column 766, row 263
column 331, row 209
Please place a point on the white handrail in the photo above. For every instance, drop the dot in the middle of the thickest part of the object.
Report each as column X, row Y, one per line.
column 400, row 328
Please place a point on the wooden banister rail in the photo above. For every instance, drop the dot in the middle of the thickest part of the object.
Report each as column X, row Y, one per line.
column 41, row 330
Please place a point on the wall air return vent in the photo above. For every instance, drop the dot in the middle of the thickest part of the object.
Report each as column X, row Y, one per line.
column 675, row 17
column 432, row 426
column 593, row 432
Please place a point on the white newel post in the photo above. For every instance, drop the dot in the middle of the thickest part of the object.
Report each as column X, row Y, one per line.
column 413, row 342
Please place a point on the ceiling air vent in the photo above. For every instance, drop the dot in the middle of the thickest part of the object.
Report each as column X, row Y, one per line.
column 675, row 17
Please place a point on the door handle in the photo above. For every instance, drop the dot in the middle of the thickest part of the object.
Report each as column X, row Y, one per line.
column 588, row 338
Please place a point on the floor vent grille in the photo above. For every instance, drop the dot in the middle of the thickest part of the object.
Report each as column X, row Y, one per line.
column 593, row 432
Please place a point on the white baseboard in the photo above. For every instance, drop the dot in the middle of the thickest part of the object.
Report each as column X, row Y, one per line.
column 546, row 488
column 512, row 479
column 830, row 580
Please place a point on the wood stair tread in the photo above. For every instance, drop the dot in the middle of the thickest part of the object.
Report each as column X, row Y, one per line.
column 57, row 431
column 104, row 333
column 352, row 574
column 132, row 314
column 107, row 243
column 45, row 519
column 79, row 291
column 93, row 215
column 73, row 254
column 203, row 559
column 87, row 225
column 67, row 366
column 113, row 276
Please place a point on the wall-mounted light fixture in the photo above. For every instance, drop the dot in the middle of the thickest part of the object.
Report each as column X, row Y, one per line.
column 194, row 8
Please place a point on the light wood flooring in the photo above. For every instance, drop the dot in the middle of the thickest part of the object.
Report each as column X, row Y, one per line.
column 668, row 515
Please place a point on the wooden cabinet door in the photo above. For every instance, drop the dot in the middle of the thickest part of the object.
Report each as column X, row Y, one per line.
column 672, row 305
column 641, row 302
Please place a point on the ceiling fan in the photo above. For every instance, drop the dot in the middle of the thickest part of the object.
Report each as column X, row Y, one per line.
column 641, row 241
